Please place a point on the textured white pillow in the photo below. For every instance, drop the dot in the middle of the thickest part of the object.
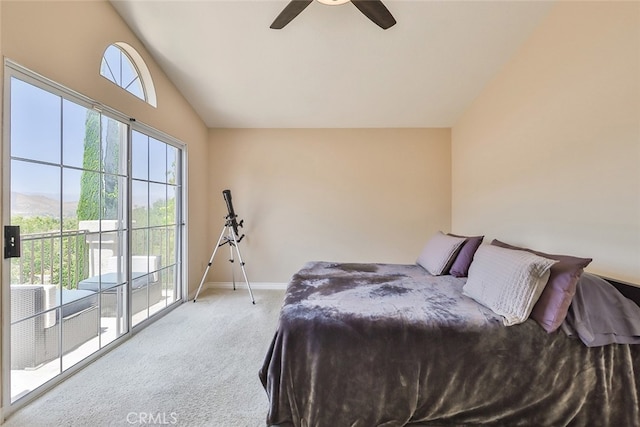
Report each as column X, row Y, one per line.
column 438, row 253
column 507, row 281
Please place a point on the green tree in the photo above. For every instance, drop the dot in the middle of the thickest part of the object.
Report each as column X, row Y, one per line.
column 89, row 202
column 111, row 163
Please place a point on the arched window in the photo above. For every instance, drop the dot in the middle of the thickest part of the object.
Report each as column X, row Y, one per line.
column 124, row 66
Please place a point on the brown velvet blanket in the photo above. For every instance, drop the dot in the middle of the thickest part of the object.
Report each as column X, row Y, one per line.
column 390, row 345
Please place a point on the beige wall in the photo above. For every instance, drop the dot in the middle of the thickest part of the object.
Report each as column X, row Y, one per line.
column 549, row 154
column 64, row 41
column 355, row 195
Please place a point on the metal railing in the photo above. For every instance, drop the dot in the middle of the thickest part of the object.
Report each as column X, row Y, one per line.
column 52, row 258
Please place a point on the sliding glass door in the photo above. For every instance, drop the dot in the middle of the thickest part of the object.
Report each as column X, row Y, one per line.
column 155, row 190
column 94, row 206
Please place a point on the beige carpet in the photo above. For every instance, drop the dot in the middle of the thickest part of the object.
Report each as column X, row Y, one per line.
column 197, row 366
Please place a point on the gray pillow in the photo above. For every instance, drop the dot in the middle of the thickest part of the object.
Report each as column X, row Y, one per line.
column 439, row 252
column 599, row 314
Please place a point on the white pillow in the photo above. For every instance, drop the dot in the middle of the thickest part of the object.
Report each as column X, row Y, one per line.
column 439, row 252
column 507, row 281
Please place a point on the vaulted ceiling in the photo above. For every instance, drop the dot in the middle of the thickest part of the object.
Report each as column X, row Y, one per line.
column 331, row 67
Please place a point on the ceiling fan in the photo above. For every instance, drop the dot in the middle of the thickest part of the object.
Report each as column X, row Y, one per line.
column 372, row 9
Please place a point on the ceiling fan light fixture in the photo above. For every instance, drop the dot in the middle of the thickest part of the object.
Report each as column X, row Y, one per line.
column 334, row 2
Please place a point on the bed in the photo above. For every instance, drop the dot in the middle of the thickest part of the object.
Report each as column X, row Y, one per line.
column 392, row 345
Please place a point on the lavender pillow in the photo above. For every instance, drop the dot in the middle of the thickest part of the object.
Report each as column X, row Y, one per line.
column 438, row 253
column 460, row 266
column 551, row 309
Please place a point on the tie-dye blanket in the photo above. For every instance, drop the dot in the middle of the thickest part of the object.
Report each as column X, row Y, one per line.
column 390, row 345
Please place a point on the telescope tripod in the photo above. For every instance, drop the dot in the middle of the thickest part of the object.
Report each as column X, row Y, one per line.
column 228, row 237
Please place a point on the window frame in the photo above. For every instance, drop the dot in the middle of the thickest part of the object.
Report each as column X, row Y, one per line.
column 139, row 66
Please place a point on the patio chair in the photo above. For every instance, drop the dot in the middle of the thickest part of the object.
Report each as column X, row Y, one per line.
column 35, row 338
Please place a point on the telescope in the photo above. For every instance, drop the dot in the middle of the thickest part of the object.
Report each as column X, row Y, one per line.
column 231, row 213
column 228, row 236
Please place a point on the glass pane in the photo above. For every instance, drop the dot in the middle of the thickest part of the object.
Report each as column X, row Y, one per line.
column 140, row 209
column 75, row 259
column 130, row 78
column 105, row 71
column 88, row 207
column 88, row 217
column 158, row 244
column 129, row 72
column 114, row 313
column 171, row 293
column 114, row 212
column 139, row 243
column 35, row 194
column 114, row 150
column 140, row 298
column 80, row 327
column 157, row 160
column 90, row 148
column 172, row 249
column 115, row 265
column 35, row 123
column 140, row 156
column 142, row 264
column 71, row 179
column 172, row 213
column 157, row 300
column 154, row 285
column 107, row 280
column 135, row 88
column 40, row 260
column 75, row 245
column 35, row 207
column 112, row 246
column 34, row 347
column 111, row 59
column 158, row 202
column 172, row 164
column 77, row 127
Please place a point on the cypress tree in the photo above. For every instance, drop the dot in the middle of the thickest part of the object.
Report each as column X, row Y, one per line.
column 89, row 202
column 111, row 162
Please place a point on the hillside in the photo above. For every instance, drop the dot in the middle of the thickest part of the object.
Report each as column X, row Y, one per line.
column 30, row 205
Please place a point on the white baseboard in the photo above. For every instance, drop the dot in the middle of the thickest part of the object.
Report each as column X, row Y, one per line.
column 271, row 286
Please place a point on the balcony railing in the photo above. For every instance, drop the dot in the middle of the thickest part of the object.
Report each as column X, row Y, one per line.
column 52, row 258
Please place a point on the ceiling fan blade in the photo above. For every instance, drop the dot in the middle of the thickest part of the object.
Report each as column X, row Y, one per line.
column 292, row 10
column 376, row 11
